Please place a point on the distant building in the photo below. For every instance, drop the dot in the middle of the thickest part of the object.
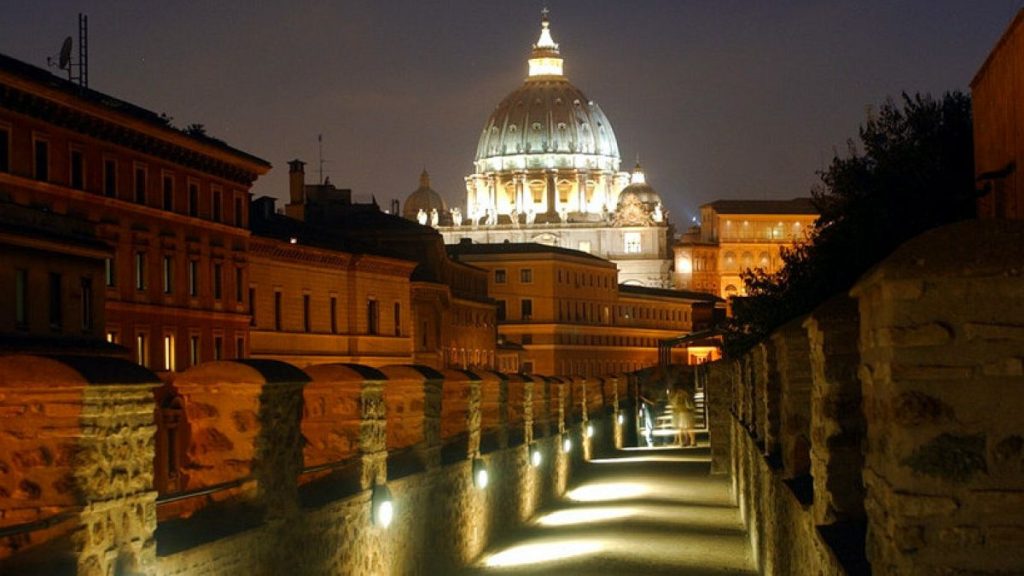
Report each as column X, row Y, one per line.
column 172, row 206
column 425, row 206
column 318, row 297
column 547, row 172
column 738, row 235
column 571, row 317
column 452, row 318
column 997, row 92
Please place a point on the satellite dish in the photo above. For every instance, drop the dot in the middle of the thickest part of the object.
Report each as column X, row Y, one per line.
column 65, row 54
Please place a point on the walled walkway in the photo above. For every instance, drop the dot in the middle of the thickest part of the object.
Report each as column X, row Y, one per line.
column 652, row 512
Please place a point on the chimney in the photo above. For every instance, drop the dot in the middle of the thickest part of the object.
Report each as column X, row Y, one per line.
column 297, row 181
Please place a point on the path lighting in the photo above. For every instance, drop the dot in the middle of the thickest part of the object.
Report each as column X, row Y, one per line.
column 621, row 418
column 535, row 456
column 383, row 507
column 480, row 477
column 590, row 430
column 567, row 445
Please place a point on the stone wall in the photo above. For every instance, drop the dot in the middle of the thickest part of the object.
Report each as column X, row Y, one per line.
column 895, row 414
column 279, row 466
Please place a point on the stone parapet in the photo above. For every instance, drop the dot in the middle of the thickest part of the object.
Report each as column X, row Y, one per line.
column 942, row 350
column 792, row 352
column 837, row 421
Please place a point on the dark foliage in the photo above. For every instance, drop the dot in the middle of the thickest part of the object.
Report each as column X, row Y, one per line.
column 913, row 170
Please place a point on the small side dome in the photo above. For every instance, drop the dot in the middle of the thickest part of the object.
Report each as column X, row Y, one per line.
column 639, row 188
column 423, row 198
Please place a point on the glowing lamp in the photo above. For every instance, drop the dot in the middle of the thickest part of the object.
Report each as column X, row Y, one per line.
column 535, row 456
column 383, row 507
column 590, row 430
column 621, row 418
column 480, row 476
column 567, row 445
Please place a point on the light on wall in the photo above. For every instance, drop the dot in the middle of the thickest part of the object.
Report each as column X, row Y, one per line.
column 535, row 456
column 480, row 476
column 567, row 445
column 590, row 430
column 383, row 506
column 621, row 418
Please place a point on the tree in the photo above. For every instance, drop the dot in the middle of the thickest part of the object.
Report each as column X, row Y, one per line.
column 916, row 172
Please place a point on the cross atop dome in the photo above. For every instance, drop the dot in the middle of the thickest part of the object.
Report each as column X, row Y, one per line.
column 545, row 59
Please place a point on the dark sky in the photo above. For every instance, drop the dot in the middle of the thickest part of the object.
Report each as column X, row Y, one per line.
column 721, row 99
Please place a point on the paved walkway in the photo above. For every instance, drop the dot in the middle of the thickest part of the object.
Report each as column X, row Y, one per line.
column 652, row 512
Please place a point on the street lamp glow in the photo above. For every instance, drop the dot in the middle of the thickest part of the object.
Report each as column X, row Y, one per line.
column 567, row 445
column 535, row 457
column 590, row 430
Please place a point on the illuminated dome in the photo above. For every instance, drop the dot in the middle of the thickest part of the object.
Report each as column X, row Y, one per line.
column 547, row 122
column 423, row 198
column 639, row 188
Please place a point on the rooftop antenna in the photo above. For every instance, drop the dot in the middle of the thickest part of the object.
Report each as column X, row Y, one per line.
column 320, row 144
column 83, row 51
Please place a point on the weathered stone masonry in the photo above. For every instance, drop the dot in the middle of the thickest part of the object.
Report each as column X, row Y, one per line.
column 899, row 418
column 275, row 466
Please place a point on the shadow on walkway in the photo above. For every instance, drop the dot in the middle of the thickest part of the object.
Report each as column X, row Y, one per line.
column 653, row 512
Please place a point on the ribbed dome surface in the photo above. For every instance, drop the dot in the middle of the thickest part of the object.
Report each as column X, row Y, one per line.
column 546, row 116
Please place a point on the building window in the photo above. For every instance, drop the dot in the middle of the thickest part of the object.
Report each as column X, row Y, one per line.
column 77, row 162
column 305, row 313
column 193, row 350
column 500, row 312
column 398, row 319
column 169, row 352
column 499, row 276
column 526, row 275
column 238, row 286
column 334, row 314
column 239, row 214
column 526, row 339
column 168, row 190
column 110, row 178
column 216, row 205
column 140, row 270
column 373, row 317
column 252, row 306
column 5, row 150
column 87, row 319
column 193, row 278
column 277, row 311
column 526, row 308
column 141, row 355
column 193, row 199
column 218, row 347
column 632, row 243
column 112, row 337
column 140, row 185
column 218, row 281
column 21, row 298
column 240, row 347
column 527, row 367
column 41, row 160
column 168, row 274
column 56, row 301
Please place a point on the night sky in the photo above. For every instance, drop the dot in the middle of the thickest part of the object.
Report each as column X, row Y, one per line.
column 723, row 99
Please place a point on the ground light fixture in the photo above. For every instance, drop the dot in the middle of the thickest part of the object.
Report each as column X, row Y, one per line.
column 567, row 445
column 535, row 456
column 621, row 418
column 480, row 476
column 590, row 430
column 383, row 506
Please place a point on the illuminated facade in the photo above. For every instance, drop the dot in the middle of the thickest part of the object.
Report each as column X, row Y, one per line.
column 452, row 320
column 172, row 207
column 737, row 235
column 997, row 92
column 547, row 171
column 316, row 301
column 571, row 316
